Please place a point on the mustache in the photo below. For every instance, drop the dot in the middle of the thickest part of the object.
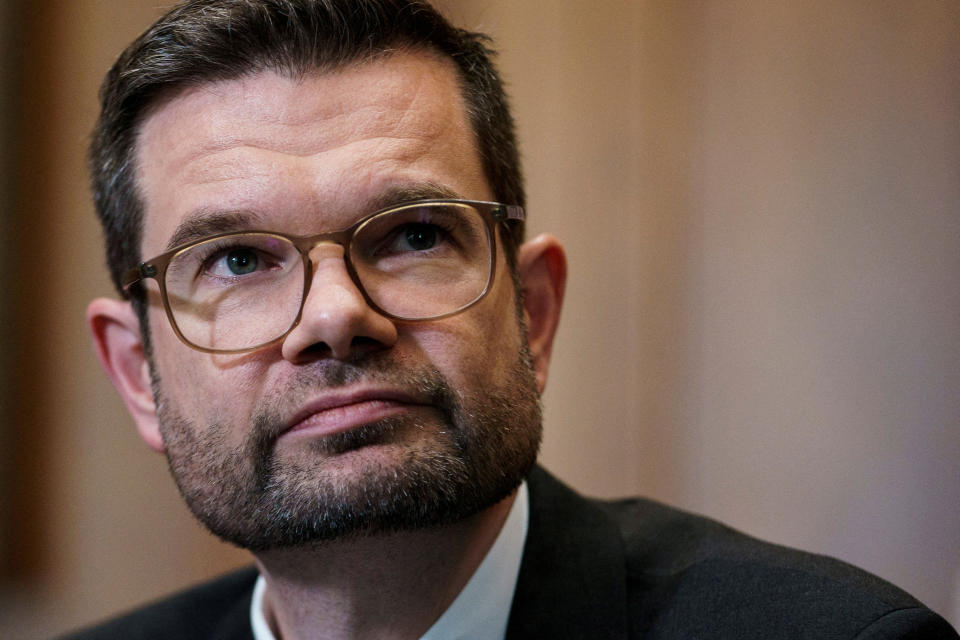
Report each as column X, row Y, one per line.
column 421, row 381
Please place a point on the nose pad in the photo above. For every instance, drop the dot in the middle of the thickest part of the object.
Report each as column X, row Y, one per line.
column 336, row 317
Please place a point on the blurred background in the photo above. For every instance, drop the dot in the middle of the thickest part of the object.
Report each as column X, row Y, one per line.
column 761, row 204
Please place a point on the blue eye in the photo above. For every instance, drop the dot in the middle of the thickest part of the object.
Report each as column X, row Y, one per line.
column 239, row 261
column 242, row 261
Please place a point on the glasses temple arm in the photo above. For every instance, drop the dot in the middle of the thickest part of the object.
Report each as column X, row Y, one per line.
column 509, row 212
column 135, row 274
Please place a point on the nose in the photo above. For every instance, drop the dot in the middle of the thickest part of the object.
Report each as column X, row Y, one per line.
column 336, row 319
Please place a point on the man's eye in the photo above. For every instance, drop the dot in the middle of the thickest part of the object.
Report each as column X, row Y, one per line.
column 414, row 237
column 238, row 261
column 242, row 261
column 417, row 237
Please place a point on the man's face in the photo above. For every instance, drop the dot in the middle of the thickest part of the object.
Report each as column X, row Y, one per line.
column 352, row 423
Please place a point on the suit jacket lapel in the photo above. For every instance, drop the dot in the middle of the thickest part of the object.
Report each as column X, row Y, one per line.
column 572, row 581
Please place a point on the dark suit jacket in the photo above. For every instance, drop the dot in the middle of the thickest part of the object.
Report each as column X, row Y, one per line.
column 626, row 569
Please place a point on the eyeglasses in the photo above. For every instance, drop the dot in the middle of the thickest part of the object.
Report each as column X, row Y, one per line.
column 236, row 292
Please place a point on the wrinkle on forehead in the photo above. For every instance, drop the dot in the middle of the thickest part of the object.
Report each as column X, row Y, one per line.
column 230, row 161
column 286, row 118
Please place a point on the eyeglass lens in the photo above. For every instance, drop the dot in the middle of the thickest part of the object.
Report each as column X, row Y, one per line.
column 244, row 290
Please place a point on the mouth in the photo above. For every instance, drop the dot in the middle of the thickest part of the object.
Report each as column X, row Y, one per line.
column 341, row 411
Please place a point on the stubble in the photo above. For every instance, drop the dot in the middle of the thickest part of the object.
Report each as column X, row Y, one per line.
column 474, row 448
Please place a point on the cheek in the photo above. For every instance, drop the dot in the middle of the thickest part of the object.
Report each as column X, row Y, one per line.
column 478, row 347
column 179, row 379
column 200, row 387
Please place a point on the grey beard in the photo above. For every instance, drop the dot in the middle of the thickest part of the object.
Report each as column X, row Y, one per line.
column 486, row 443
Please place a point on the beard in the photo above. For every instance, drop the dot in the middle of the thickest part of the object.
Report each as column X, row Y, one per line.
column 480, row 443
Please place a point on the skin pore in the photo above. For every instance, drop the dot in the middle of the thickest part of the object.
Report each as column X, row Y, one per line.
column 368, row 464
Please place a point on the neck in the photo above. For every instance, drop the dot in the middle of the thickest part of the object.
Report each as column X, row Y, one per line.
column 386, row 586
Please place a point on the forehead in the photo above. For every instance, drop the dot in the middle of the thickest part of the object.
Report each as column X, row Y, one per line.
column 305, row 154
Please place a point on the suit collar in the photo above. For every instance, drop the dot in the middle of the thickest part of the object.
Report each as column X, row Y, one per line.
column 572, row 581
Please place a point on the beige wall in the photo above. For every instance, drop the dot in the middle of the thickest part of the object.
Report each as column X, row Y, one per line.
column 113, row 529
column 761, row 203
column 762, row 206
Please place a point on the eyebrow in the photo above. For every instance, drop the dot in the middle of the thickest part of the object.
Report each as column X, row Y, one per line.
column 205, row 223
column 400, row 194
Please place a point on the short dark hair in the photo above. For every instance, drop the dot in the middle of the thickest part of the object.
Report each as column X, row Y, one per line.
column 201, row 41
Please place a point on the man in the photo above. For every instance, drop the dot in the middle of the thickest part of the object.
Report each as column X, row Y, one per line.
column 333, row 328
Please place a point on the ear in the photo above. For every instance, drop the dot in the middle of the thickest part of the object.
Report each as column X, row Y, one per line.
column 119, row 345
column 542, row 266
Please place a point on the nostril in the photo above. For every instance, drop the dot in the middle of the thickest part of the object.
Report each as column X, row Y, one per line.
column 316, row 350
column 360, row 347
column 365, row 343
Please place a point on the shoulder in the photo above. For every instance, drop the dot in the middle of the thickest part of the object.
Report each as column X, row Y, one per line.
column 687, row 576
column 216, row 610
column 690, row 572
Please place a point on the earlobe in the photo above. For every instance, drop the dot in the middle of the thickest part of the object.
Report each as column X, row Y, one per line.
column 542, row 267
column 117, row 339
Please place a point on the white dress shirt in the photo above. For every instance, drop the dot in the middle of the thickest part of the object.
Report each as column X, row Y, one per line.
column 482, row 609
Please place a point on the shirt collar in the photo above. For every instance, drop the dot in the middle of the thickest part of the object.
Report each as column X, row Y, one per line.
column 482, row 609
